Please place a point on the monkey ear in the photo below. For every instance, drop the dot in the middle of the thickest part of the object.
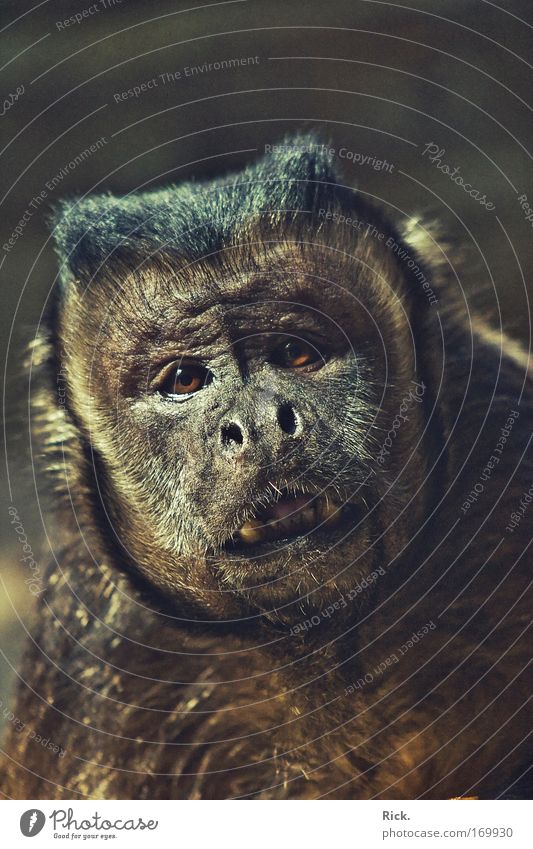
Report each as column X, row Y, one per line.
column 86, row 236
column 301, row 173
column 301, row 158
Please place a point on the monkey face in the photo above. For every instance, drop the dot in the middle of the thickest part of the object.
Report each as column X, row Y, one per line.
column 233, row 424
column 236, row 356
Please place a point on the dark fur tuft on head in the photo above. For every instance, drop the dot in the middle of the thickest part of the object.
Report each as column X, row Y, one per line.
column 191, row 220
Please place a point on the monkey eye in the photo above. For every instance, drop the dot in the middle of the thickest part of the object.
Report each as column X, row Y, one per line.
column 296, row 354
column 185, row 379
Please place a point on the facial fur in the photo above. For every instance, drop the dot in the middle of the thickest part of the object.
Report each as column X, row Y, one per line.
column 174, row 486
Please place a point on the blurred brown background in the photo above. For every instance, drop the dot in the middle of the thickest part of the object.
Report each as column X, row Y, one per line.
column 379, row 78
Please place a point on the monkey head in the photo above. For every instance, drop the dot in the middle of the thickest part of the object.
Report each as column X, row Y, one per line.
column 236, row 354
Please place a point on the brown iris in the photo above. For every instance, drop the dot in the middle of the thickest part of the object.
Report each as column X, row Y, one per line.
column 185, row 380
column 296, row 354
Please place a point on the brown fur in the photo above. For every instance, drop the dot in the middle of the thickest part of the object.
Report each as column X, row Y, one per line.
column 132, row 672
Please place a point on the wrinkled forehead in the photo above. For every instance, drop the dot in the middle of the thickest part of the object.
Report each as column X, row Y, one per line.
column 267, row 285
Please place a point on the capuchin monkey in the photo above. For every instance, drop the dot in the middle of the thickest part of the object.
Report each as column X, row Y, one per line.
column 289, row 527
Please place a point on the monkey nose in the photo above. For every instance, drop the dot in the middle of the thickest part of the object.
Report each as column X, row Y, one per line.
column 283, row 421
column 288, row 419
column 232, row 436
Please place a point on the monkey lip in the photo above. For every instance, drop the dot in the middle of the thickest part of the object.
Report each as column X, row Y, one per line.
column 289, row 518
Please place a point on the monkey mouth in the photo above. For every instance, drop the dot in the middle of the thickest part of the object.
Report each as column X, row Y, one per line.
column 290, row 518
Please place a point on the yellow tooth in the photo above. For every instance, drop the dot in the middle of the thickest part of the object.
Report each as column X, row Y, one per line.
column 252, row 531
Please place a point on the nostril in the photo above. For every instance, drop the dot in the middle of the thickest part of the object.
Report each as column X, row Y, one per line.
column 287, row 418
column 231, row 433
